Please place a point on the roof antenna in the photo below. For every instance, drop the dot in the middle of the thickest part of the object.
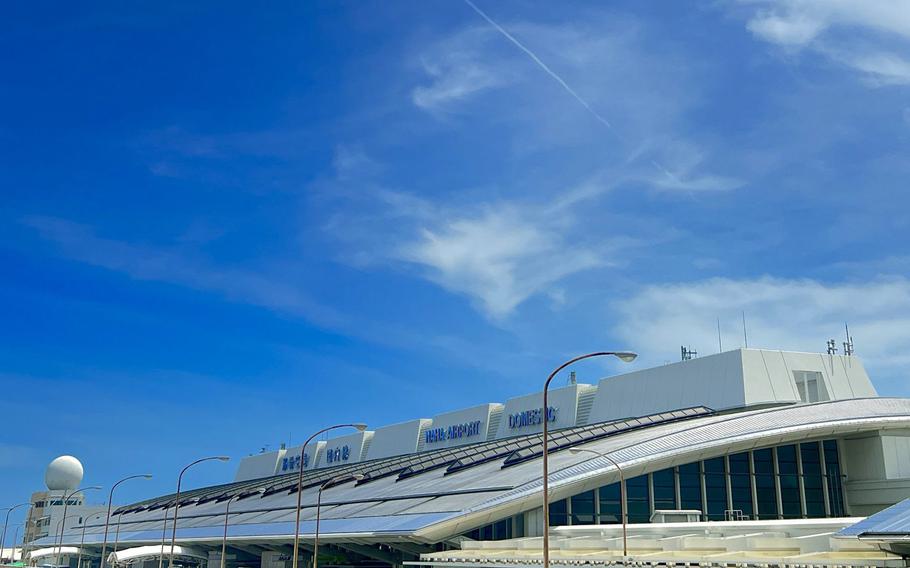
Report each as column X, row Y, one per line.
column 720, row 345
column 848, row 345
column 572, row 379
column 687, row 353
column 745, row 337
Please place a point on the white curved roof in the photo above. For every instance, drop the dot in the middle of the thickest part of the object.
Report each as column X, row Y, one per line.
column 437, row 502
column 52, row 551
column 137, row 553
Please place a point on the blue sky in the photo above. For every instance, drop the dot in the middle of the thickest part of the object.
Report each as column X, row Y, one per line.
column 225, row 227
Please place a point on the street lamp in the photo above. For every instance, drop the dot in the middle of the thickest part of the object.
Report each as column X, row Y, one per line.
column 25, row 526
column 622, row 492
column 12, row 553
column 82, row 541
column 5, row 523
column 360, row 428
column 107, row 519
column 625, row 357
column 60, row 524
column 333, row 481
column 170, row 561
column 66, row 501
column 227, row 513
column 117, row 533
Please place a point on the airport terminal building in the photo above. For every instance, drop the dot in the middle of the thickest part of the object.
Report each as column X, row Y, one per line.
column 792, row 447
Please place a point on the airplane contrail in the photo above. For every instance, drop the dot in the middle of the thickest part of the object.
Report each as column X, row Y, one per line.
column 657, row 165
column 542, row 65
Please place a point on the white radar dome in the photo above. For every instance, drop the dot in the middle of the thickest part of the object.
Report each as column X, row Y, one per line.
column 64, row 473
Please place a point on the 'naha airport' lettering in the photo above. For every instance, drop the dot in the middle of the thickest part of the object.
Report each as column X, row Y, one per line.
column 453, row 432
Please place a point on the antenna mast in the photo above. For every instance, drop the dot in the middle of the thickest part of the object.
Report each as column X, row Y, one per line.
column 720, row 345
column 848, row 345
column 745, row 337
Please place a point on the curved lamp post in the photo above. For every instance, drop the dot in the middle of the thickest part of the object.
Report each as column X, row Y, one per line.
column 107, row 519
column 622, row 492
column 170, row 561
column 60, row 524
column 12, row 554
column 24, row 549
column 66, row 501
column 227, row 513
column 624, row 356
column 82, row 541
column 117, row 532
column 5, row 523
column 360, row 428
column 333, row 481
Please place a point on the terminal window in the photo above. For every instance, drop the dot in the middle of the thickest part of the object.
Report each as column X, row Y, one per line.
column 810, row 385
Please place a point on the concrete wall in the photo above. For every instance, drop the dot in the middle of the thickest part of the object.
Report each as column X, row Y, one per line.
column 260, row 465
column 739, row 378
column 397, row 439
column 344, row 449
column 451, row 429
column 522, row 415
column 715, row 381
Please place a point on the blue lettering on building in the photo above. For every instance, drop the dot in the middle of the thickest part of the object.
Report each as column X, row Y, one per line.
column 293, row 462
column 453, row 432
column 532, row 417
column 339, row 454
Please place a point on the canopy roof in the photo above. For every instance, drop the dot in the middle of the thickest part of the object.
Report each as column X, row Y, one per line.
column 139, row 553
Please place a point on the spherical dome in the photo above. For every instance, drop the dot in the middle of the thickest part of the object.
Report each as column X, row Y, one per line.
column 64, row 473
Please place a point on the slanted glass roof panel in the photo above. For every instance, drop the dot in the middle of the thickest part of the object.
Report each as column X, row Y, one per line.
column 895, row 520
column 392, row 507
column 348, row 510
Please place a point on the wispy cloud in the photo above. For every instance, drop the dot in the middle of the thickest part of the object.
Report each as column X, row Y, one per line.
column 500, row 256
column 866, row 36
column 780, row 313
column 457, row 71
column 272, row 290
column 496, row 252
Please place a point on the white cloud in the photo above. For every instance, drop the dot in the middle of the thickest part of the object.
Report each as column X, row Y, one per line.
column 795, row 30
column 798, row 22
column 880, row 68
column 499, row 257
column 780, row 314
column 457, row 70
column 872, row 31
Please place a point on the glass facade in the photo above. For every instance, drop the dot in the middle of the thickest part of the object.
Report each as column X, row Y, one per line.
column 664, row 483
column 765, row 488
column 610, row 505
column 793, row 481
column 715, row 471
column 583, row 508
column 788, row 478
column 741, row 486
column 784, row 482
column 690, row 486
